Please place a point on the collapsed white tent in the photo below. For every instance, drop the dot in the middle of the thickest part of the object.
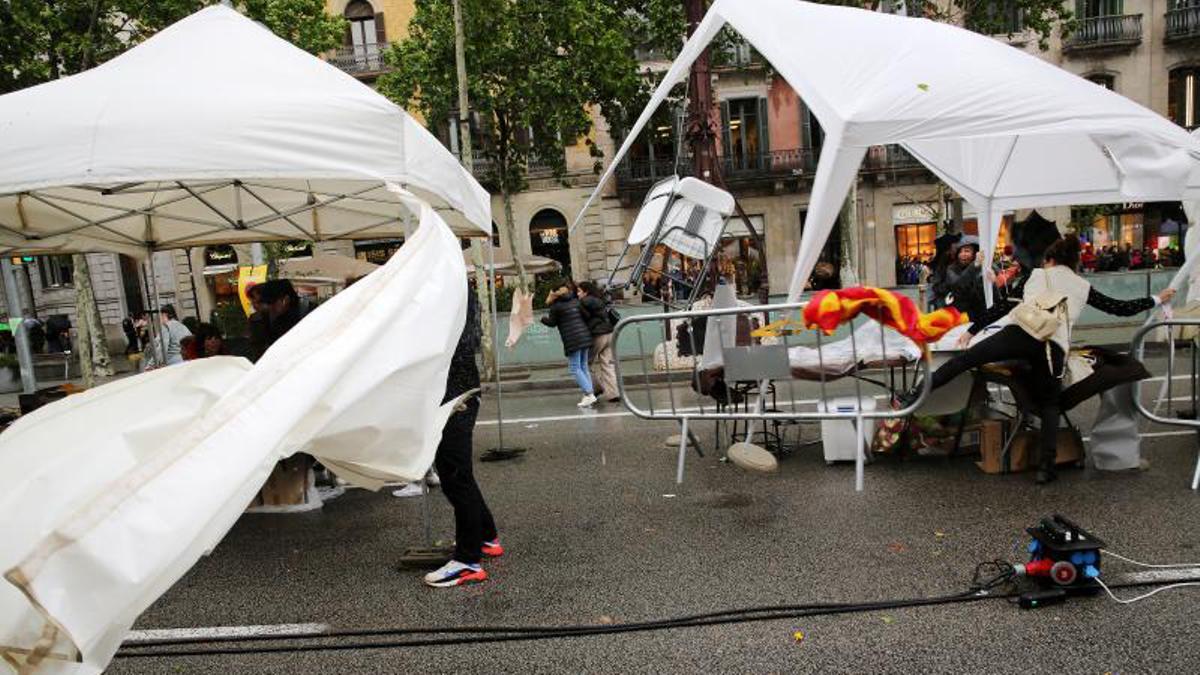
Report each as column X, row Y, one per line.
column 216, row 131
column 95, row 530
column 943, row 93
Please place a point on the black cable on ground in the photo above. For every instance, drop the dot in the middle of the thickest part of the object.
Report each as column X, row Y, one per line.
column 486, row 634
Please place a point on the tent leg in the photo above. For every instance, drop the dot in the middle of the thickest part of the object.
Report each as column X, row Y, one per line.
column 157, row 339
column 16, row 324
column 500, row 452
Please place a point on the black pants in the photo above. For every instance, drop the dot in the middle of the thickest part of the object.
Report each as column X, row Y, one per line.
column 473, row 522
column 1012, row 343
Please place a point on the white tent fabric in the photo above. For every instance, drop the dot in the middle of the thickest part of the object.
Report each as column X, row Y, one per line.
column 694, row 224
column 216, row 131
column 95, row 530
column 1002, row 127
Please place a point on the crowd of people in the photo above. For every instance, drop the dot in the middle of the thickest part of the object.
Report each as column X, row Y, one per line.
column 912, row 270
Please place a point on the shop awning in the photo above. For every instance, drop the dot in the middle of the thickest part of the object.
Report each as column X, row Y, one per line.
column 325, row 268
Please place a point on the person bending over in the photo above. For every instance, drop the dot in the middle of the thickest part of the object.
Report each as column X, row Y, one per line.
column 596, row 313
column 1013, row 343
column 566, row 314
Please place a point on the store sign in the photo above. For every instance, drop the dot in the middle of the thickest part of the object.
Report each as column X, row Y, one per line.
column 906, row 214
column 297, row 249
column 219, row 255
column 549, row 236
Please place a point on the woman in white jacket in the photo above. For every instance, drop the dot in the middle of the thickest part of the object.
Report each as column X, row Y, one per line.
column 1012, row 343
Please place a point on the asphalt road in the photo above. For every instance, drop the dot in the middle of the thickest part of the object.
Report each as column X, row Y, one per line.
column 597, row 531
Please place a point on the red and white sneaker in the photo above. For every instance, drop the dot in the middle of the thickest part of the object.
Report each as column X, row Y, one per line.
column 455, row 573
column 493, row 549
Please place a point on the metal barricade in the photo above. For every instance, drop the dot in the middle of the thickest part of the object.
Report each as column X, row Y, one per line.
column 1189, row 417
column 753, row 373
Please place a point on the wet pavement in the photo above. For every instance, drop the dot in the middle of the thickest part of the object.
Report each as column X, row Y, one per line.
column 598, row 531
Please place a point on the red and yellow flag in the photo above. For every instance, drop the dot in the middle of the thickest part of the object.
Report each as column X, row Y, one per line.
column 829, row 309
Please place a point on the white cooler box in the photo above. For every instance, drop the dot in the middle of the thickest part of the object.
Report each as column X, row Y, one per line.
column 838, row 436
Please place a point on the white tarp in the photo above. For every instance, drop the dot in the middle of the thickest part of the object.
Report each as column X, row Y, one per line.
column 97, row 527
column 1002, row 127
column 216, row 131
column 696, row 219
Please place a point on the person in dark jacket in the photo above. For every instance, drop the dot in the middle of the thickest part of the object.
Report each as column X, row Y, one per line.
column 566, row 314
column 475, row 534
column 281, row 307
column 596, row 313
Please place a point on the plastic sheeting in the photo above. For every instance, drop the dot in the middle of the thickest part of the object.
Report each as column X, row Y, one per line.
column 936, row 89
column 96, row 527
column 216, row 131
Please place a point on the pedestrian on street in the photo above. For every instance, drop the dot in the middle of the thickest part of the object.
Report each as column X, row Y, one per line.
column 566, row 314
column 167, row 350
column 597, row 311
column 475, row 534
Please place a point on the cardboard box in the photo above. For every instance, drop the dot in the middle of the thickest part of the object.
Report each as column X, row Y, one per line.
column 1022, row 454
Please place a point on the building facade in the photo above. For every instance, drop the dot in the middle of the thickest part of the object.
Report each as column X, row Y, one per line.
column 1147, row 50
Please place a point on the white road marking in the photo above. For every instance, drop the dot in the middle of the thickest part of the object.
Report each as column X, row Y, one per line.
column 153, row 635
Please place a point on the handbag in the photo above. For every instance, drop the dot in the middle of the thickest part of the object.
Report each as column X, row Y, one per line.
column 1040, row 317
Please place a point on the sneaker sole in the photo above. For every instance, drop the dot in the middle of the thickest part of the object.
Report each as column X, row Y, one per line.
column 469, row 578
column 493, row 554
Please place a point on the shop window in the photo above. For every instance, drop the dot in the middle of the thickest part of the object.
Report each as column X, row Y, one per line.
column 56, row 271
column 1183, row 99
column 738, row 258
column 548, row 238
column 914, row 247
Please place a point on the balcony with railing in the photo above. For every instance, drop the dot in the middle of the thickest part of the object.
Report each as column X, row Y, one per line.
column 635, row 176
column 1183, row 24
column 1106, row 32
column 360, row 60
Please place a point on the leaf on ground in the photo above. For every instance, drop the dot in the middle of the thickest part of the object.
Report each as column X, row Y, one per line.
column 897, row 547
column 889, row 620
column 798, row 637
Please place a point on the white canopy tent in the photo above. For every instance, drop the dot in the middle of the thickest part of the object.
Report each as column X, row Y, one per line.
column 216, row 131
column 947, row 96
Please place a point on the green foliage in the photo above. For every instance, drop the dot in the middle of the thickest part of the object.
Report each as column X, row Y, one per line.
column 534, row 70
column 42, row 40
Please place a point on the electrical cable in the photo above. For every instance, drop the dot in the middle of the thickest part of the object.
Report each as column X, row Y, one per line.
column 1142, row 564
column 982, row 587
column 485, row 634
column 1130, row 601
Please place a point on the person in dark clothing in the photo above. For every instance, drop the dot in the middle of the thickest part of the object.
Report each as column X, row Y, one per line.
column 58, row 333
column 281, row 306
column 256, row 324
column 960, row 283
column 475, row 533
column 596, row 312
column 566, row 314
column 1044, row 359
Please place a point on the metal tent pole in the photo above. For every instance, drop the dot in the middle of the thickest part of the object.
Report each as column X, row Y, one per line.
column 155, row 303
column 499, row 452
column 16, row 324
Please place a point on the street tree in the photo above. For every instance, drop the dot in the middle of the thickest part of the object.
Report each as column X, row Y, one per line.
column 537, row 73
column 43, row 40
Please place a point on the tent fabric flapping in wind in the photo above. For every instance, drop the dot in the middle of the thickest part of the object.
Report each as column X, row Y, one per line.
column 944, row 93
column 96, row 527
column 216, row 131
